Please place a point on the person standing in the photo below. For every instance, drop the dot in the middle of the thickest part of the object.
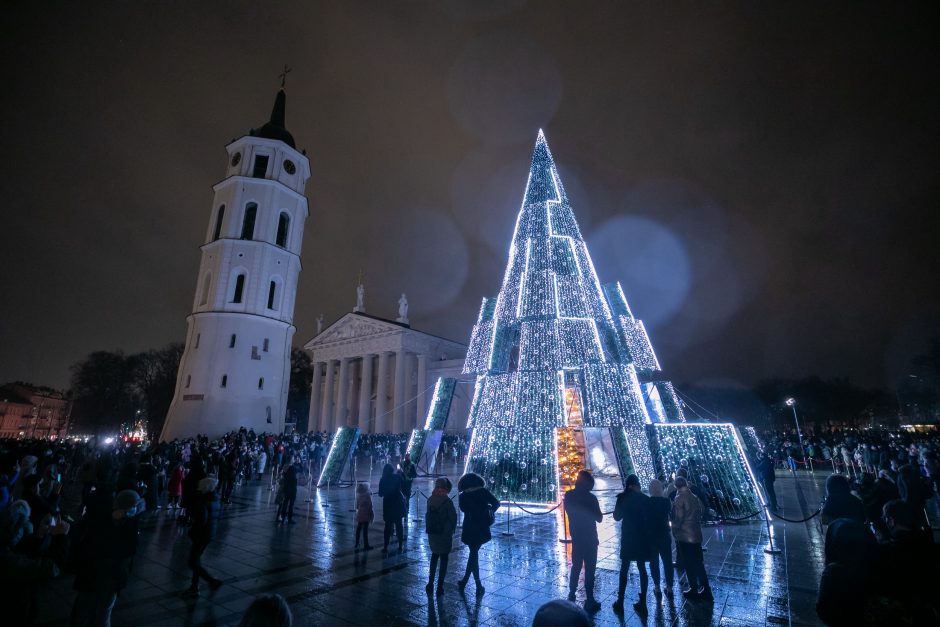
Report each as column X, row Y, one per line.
column 285, row 512
column 633, row 509
column 768, row 474
column 393, row 506
column 103, row 557
column 686, row 518
column 660, row 542
column 364, row 514
column 479, row 507
column 583, row 512
column 205, row 517
column 440, row 522
column 408, row 474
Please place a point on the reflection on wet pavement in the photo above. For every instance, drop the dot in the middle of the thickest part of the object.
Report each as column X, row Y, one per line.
column 313, row 565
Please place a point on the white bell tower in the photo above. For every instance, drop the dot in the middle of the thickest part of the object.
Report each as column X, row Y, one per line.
column 236, row 364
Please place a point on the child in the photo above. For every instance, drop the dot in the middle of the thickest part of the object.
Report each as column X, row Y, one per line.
column 174, row 489
column 364, row 514
column 440, row 523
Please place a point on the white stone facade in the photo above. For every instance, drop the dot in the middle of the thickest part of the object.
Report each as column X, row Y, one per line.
column 379, row 375
column 235, row 368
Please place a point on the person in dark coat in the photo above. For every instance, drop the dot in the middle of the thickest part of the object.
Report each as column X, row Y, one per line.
column 846, row 583
column 205, row 517
column 147, row 483
column 392, row 493
column 583, row 512
column 767, row 474
column 479, row 507
column 883, row 490
column 660, row 538
column 197, row 472
column 907, row 556
column 840, row 502
column 914, row 491
column 105, row 551
column 409, row 473
column 289, row 478
column 440, row 523
column 633, row 509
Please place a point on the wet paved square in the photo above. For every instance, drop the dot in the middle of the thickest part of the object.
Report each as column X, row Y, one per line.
column 313, row 565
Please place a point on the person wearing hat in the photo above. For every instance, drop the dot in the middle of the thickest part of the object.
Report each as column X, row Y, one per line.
column 686, row 516
column 205, row 521
column 633, row 509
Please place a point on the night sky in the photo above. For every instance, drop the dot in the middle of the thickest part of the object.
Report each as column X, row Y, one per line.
column 762, row 179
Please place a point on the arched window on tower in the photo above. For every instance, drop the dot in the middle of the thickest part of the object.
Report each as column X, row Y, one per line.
column 248, row 223
column 239, row 288
column 206, row 284
column 283, row 227
column 218, row 223
column 272, row 295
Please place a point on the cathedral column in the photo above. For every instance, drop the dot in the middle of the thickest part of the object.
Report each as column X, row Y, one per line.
column 342, row 391
column 381, row 395
column 365, row 395
column 399, row 414
column 326, row 416
column 313, row 418
column 422, row 391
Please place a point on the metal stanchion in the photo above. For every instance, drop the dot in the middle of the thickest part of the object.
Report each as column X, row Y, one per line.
column 507, row 533
column 564, row 521
column 770, row 536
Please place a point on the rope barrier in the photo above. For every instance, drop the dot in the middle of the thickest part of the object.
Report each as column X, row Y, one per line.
column 534, row 513
column 741, row 518
column 810, row 517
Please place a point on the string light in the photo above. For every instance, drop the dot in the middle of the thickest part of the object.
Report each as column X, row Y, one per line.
column 340, row 450
column 716, row 462
column 551, row 358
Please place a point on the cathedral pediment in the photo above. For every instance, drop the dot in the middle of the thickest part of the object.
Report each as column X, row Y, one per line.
column 353, row 326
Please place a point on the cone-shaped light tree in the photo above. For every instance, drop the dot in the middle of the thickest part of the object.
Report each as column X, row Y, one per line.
column 556, row 350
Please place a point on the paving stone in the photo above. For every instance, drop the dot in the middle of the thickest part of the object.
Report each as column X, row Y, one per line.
column 313, row 564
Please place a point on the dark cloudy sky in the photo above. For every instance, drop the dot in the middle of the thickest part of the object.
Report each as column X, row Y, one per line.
column 762, row 179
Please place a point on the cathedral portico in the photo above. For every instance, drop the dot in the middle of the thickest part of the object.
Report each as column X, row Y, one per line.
column 350, row 389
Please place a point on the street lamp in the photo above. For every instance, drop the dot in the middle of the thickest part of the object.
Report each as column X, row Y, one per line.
column 791, row 403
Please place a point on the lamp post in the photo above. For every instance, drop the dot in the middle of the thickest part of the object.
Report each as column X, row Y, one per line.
column 791, row 403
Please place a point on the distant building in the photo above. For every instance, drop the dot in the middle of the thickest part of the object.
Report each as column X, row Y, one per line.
column 236, row 364
column 28, row 411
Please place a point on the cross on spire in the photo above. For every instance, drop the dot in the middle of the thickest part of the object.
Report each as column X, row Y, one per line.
column 283, row 75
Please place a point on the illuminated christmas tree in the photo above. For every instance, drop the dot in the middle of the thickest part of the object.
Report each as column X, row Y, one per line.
column 556, row 353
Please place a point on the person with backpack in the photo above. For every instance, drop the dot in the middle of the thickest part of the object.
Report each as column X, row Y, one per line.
column 479, row 507
column 440, row 522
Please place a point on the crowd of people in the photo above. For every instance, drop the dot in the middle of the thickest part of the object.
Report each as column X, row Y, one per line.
column 880, row 496
column 875, row 511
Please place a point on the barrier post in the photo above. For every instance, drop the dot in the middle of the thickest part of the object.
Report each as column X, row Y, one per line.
column 507, row 533
column 771, row 550
column 564, row 524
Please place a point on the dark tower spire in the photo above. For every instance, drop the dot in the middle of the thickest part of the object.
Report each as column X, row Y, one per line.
column 275, row 128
